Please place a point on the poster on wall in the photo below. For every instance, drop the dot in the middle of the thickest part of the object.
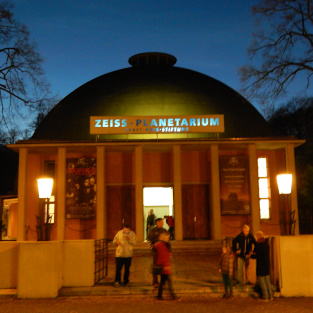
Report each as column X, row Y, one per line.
column 235, row 193
column 81, row 187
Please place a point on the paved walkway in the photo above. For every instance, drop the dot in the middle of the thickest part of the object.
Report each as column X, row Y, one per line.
column 195, row 271
column 186, row 304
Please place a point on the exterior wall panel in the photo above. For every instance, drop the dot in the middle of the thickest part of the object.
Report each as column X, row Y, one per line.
column 157, row 168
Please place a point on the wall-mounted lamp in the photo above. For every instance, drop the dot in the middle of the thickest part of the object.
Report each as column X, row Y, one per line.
column 284, row 182
column 45, row 187
column 287, row 218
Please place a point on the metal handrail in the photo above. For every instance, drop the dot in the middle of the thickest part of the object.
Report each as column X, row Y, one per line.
column 101, row 260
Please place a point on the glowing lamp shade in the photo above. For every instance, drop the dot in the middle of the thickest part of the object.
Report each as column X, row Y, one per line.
column 45, row 187
column 284, row 182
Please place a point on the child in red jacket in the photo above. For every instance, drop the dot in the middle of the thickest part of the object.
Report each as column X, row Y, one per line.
column 163, row 258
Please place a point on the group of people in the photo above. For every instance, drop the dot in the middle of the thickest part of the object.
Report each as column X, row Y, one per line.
column 158, row 239
column 169, row 221
column 244, row 248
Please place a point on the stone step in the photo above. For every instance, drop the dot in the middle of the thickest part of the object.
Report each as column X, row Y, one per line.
column 178, row 247
column 216, row 290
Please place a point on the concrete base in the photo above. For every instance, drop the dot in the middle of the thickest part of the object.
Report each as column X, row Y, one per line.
column 39, row 269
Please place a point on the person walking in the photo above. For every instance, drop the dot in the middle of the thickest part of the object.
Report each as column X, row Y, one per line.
column 152, row 239
column 125, row 239
column 263, row 266
column 242, row 248
column 163, row 259
column 226, row 269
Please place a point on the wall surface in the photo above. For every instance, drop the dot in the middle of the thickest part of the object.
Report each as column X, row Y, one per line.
column 39, row 269
column 296, row 255
column 8, row 264
column 78, row 263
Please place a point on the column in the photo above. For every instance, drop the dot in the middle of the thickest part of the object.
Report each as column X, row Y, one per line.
column 101, row 194
column 254, row 189
column 291, row 168
column 22, row 192
column 177, row 193
column 139, row 193
column 60, row 196
column 216, row 232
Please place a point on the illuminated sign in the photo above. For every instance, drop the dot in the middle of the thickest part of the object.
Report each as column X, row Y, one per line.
column 156, row 124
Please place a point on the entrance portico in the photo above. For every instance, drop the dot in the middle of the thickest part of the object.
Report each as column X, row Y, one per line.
column 184, row 165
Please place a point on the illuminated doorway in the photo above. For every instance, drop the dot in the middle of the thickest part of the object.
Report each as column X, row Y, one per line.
column 160, row 200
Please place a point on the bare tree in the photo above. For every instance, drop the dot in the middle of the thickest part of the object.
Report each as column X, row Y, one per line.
column 295, row 118
column 284, row 41
column 22, row 84
column 13, row 135
column 3, row 138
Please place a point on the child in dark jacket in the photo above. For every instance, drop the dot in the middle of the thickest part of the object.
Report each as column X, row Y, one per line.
column 226, row 269
column 163, row 258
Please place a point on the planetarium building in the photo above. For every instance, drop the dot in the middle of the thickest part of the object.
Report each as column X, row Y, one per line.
column 154, row 136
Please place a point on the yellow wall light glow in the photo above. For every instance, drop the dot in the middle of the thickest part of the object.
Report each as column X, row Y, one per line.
column 45, row 187
column 284, row 182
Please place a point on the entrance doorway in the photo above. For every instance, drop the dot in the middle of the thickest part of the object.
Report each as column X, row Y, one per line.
column 196, row 211
column 160, row 200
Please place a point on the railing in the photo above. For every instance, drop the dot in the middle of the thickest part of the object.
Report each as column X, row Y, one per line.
column 101, row 260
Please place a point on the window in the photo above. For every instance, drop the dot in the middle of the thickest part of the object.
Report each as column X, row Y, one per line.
column 49, row 170
column 264, row 188
column 51, row 209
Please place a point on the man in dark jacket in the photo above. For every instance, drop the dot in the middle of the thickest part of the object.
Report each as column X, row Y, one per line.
column 242, row 246
column 263, row 266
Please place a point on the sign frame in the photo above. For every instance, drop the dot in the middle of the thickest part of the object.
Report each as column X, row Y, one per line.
column 175, row 124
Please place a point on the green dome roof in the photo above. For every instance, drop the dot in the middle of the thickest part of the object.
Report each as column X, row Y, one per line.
column 151, row 87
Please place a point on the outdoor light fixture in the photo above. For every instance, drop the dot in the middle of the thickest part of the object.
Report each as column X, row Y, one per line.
column 284, row 182
column 45, row 187
column 287, row 218
column 43, row 220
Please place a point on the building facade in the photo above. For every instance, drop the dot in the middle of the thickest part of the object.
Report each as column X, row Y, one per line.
column 155, row 136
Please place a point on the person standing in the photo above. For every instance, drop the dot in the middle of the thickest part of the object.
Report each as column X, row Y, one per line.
column 163, row 259
column 125, row 239
column 242, row 247
column 150, row 221
column 152, row 239
column 263, row 266
column 226, row 269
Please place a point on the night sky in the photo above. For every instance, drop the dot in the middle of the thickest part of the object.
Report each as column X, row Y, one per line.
column 83, row 39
